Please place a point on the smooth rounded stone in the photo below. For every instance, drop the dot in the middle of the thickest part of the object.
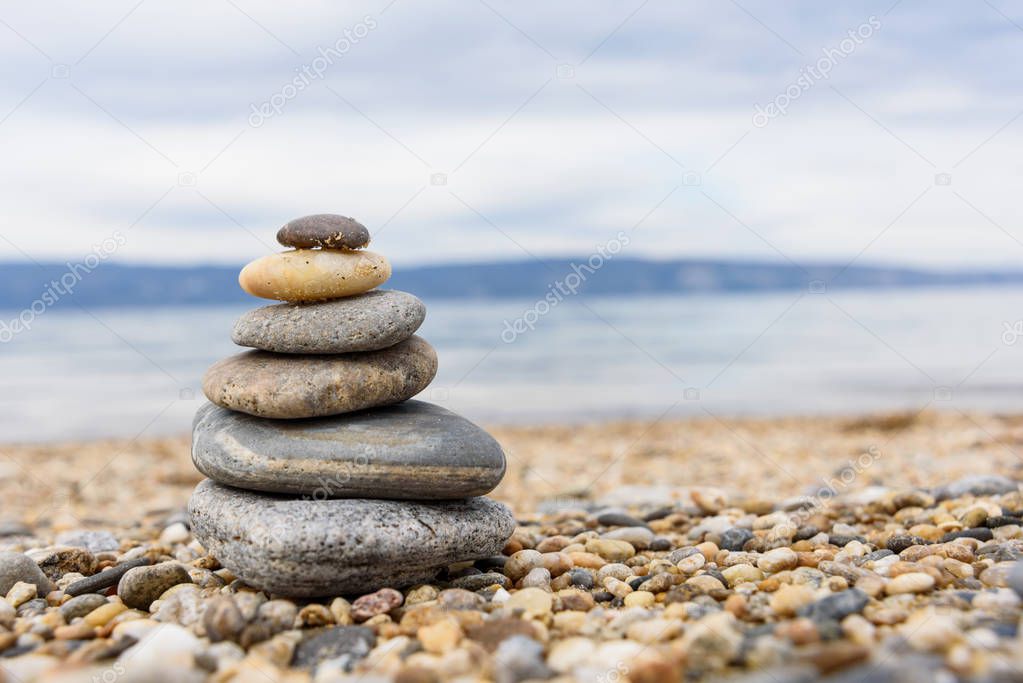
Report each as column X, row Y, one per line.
column 735, row 538
column 81, row 605
column 306, row 275
column 140, row 586
column 412, row 450
column 19, row 568
column 328, row 230
column 306, row 548
column 281, row 386
column 346, row 643
column 365, row 322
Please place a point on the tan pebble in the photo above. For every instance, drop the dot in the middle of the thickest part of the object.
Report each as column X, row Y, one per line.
column 858, row 630
column 20, row 593
column 837, row 584
column 616, row 587
column 314, row 274
column 556, row 563
column 553, row 544
column 341, row 611
column 742, row 573
column 440, row 637
column 800, row 631
column 610, row 549
column 521, row 563
column 691, row 564
column 790, row 597
column 705, row 582
column 871, row 585
column 639, row 599
column 930, row 631
column 576, row 600
column 587, row 560
column 708, row 549
column 570, row 653
column 562, row 582
column 79, row 631
column 659, row 583
column 913, row 582
column 104, row 613
column 736, row 604
column 315, row 615
column 534, row 601
column 569, row 621
column 885, row 616
column 657, row 630
column 777, row 560
column 960, row 570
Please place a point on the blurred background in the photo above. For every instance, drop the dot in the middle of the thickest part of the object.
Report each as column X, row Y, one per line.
column 611, row 209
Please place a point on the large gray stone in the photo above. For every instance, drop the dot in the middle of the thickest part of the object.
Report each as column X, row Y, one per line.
column 412, row 450
column 15, row 567
column 292, row 386
column 365, row 322
column 306, row 548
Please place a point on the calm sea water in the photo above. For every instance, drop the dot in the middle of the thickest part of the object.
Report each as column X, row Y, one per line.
column 115, row 372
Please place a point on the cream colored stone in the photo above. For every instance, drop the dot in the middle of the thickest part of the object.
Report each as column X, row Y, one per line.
column 314, row 274
column 911, row 582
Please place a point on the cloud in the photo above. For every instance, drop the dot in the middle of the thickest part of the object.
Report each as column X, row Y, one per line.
column 553, row 126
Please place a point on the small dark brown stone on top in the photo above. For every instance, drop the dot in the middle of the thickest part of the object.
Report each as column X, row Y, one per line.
column 327, row 230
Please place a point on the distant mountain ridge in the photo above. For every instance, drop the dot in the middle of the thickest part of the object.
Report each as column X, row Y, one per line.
column 112, row 284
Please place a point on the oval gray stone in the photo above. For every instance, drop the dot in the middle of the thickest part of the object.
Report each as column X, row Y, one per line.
column 328, row 230
column 365, row 322
column 412, row 450
column 308, row 548
column 294, row 386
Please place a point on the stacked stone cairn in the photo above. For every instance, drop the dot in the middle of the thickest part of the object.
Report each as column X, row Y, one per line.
column 324, row 478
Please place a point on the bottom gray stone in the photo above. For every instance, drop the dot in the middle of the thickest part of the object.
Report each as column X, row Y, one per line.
column 312, row 548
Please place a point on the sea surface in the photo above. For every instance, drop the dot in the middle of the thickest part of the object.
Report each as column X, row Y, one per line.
column 132, row 372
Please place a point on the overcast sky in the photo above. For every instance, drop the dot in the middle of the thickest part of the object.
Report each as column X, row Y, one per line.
column 486, row 129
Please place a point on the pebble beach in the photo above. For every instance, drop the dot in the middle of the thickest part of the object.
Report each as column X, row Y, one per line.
column 878, row 548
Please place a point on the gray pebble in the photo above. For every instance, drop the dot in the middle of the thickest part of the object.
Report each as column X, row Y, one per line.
column 477, row 582
column 836, row 607
column 346, row 643
column 81, row 605
column 735, row 538
column 365, row 322
column 93, row 541
column 140, row 586
column 15, row 567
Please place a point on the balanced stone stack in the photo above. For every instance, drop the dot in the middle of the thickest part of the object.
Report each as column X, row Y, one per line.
column 324, row 478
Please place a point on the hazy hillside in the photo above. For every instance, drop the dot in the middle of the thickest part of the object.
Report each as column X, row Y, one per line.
column 113, row 284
